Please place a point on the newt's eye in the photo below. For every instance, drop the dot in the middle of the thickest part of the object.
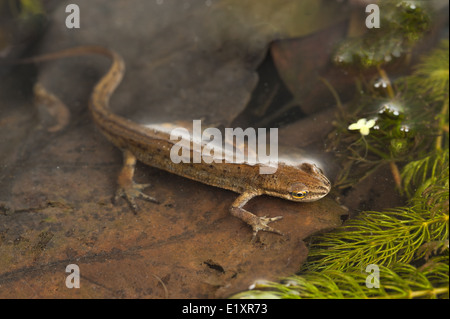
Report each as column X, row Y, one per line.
column 299, row 195
column 298, row 190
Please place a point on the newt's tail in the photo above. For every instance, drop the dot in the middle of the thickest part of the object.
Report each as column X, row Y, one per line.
column 108, row 83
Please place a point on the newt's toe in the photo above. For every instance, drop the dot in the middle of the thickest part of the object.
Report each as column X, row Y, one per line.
column 261, row 223
column 132, row 191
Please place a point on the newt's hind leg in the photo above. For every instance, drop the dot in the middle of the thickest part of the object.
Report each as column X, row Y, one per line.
column 127, row 188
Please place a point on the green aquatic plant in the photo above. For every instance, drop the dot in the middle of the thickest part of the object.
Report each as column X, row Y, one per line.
column 423, row 173
column 410, row 118
column 403, row 23
column 428, row 90
column 408, row 245
column 24, row 9
column 398, row 282
column 389, row 237
column 430, row 78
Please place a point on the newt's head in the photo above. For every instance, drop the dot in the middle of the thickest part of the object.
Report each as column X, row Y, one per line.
column 303, row 183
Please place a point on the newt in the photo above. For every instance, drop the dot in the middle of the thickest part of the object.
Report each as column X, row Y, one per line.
column 300, row 183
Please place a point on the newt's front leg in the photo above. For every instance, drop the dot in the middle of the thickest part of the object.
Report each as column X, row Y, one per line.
column 256, row 222
column 127, row 188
